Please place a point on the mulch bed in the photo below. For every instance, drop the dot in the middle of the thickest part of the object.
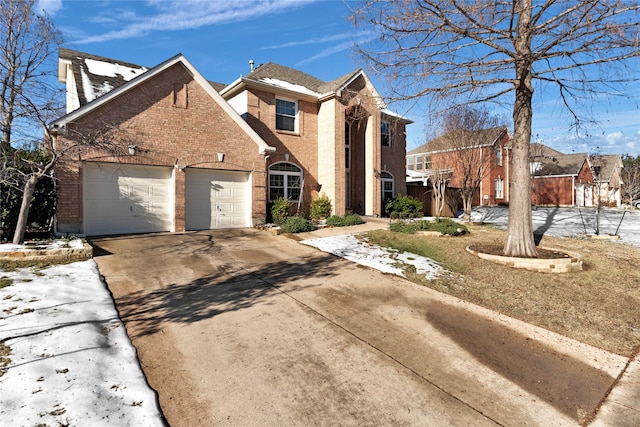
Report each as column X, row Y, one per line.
column 498, row 250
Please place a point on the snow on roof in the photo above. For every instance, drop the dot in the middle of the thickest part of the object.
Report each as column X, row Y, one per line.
column 289, row 86
column 113, row 69
column 93, row 91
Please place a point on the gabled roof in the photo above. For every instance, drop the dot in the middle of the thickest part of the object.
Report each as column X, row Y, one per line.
column 461, row 139
column 608, row 163
column 141, row 78
column 562, row 164
column 275, row 77
column 95, row 75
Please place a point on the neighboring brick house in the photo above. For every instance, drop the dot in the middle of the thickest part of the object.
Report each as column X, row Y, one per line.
column 607, row 174
column 161, row 150
column 482, row 156
column 559, row 179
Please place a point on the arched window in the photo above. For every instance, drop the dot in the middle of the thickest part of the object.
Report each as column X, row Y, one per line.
column 388, row 190
column 285, row 180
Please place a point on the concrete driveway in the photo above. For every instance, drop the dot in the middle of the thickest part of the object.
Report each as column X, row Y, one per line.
column 241, row 327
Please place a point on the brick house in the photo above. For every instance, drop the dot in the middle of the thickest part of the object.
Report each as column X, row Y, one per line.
column 559, row 179
column 163, row 149
column 607, row 174
column 482, row 156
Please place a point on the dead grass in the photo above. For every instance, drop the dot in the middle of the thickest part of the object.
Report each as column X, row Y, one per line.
column 597, row 306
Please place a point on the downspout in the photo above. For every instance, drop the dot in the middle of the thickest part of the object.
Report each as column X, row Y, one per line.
column 573, row 191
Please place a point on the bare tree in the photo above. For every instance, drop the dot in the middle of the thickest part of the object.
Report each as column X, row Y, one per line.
column 631, row 177
column 477, row 51
column 466, row 148
column 28, row 43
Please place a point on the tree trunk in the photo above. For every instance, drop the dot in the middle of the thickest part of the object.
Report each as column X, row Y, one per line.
column 520, row 241
column 27, row 195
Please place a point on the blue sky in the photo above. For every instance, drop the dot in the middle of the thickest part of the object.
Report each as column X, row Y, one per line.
column 220, row 37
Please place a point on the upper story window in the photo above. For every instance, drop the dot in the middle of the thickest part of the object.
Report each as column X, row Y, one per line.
column 419, row 166
column 411, row 163
column 499, row 156
column 385, row 134
column 286, row 114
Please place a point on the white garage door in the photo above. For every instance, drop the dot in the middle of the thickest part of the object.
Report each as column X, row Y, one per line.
column 125, row 199
column 216, row 199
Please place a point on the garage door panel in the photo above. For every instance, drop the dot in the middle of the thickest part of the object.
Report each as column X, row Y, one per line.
column 123, row 199
column 216, row 199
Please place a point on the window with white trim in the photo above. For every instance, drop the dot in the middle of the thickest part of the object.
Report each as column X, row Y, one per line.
column 499, row 156
column 385, row 134
column 499, row 187
column 285, row 180
column 388, row 190
column 286, row 115
column 419, row 163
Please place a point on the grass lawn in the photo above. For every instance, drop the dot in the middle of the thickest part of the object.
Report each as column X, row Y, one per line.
column 599, row 306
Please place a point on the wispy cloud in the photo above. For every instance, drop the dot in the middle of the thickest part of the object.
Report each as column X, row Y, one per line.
column 161, row 15
column 337, row 48
column 49, row 6
column 328, row 39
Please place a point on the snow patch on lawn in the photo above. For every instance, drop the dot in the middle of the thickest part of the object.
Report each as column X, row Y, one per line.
column 72, row 362
column 386, row 260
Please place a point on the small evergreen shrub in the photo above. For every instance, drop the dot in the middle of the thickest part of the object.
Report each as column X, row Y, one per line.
column 280, row 210
column 297, row 224
column 320, row 208
column 344, row 221
column 335, row 221
column 442, row 225
column 403, row 206
column 352, row 219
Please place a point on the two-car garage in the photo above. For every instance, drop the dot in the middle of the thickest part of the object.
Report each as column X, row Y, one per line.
column 126, row 199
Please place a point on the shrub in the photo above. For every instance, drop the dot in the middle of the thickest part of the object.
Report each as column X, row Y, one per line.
column 297, row 224
column 343, row 221
column 442, row 225
column 403, row 227
column 280, row 210
column 320, row 208
column 403, row 206
column 335, row 221
column 352, row 219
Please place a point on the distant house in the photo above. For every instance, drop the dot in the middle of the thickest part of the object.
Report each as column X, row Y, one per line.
column 607, row 175
column 172, row 151
column 559, row 179
column 482, row 156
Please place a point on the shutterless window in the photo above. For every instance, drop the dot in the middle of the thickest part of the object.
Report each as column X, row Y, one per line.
column 286, row 115
column 385, row 134
column 499, row 188
column 419, row 163
column 411, row 163
column 285, row 180
column 499, row 156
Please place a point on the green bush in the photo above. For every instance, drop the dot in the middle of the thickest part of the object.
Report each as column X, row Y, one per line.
column 403, row 227
column 335, row 221
column 442, row 225
column 280, row 210
column 320, row 208
column 403, row 206
column 343, row 221
column 352, row 219
column 297, row 224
